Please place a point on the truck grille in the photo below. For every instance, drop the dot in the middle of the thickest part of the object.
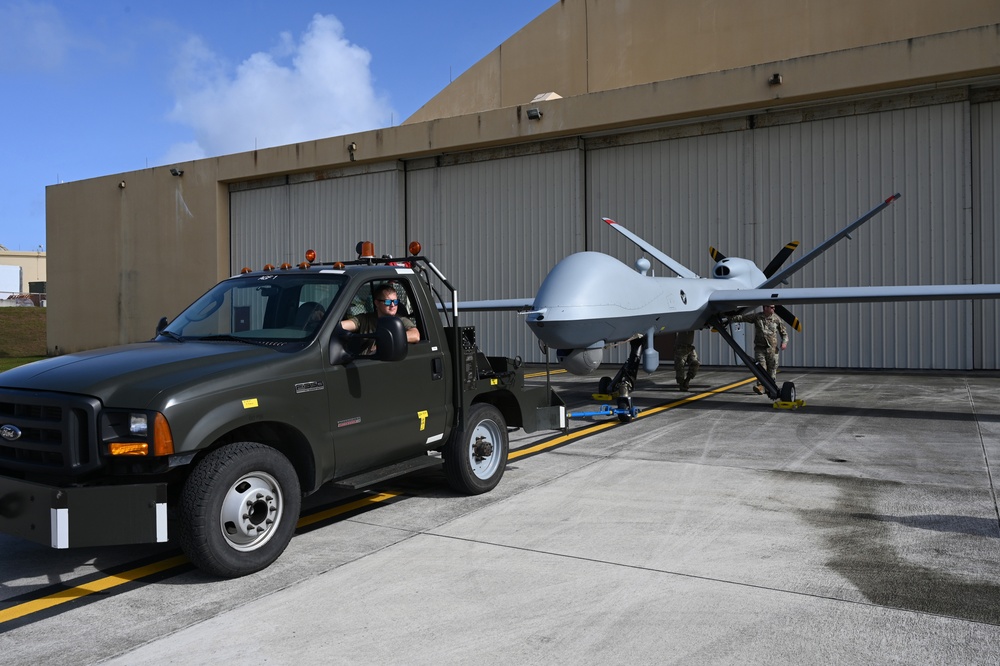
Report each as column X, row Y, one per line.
column 47, row 432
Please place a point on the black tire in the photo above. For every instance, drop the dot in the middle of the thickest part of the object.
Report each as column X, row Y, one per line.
column 238, row 509
column 604, row 386
column 475, row 456
column 626, row 404
column 787, row 393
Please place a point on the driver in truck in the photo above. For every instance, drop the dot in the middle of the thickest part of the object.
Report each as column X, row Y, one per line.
column 386, row 305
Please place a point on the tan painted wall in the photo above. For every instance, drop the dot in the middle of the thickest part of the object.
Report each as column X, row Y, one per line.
column 32, row 266
column 584, row 46
column 121, row 258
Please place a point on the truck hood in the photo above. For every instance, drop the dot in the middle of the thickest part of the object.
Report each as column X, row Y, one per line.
column 134, row 375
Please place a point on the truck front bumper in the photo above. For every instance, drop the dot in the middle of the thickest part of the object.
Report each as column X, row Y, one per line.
column 84, row 516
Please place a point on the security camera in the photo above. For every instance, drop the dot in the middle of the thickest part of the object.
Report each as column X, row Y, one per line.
column 176, row 172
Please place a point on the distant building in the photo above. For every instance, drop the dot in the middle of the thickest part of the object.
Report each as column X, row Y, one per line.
column 29, row 278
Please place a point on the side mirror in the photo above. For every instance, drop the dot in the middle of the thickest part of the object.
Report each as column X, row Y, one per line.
column 338, row 353
column 390, row 339
column 161, row 325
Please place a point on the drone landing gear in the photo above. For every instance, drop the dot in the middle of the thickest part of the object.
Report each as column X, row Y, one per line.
column 783, row 395
column 623, row 384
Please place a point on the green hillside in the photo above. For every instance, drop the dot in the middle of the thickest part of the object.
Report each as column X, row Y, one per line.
column 22, row 332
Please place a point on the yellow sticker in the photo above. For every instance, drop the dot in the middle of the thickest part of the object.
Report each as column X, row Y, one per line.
column 422, row 415
column 494, row 381
column 250, row 403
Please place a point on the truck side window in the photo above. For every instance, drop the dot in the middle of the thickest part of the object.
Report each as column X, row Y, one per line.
column 364, row 311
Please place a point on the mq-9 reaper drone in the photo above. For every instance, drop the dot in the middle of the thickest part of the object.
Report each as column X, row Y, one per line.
column 591, row 300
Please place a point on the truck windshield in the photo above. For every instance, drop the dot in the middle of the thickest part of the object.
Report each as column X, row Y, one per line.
column 281, row 307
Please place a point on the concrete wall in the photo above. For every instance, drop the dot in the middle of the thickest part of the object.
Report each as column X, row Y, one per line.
column 585, row 46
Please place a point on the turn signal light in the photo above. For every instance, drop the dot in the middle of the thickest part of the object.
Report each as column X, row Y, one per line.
column 163, row 440
column 128, row 448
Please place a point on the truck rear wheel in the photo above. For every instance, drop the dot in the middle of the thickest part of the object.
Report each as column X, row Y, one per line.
column 238, row 509
column 476, row 455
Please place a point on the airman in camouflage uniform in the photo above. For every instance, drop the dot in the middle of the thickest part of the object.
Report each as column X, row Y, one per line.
column 685, row 359
column 769, row 337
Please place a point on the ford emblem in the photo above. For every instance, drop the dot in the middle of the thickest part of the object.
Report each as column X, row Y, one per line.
column 10, row 433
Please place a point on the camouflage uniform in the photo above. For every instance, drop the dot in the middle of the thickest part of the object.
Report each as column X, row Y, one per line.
column 685, row 359
column 769, row 333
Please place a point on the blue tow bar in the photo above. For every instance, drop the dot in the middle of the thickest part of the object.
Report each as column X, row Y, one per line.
column 606, row 410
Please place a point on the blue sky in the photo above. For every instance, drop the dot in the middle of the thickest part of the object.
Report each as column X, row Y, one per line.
column 101, row 87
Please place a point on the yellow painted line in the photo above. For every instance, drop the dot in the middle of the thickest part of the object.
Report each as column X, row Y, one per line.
column 344, row 508
column 576, row 434
column 109, row 582
column 551, row 443
column 541, row 373
column 86, row 589
column 692, row 398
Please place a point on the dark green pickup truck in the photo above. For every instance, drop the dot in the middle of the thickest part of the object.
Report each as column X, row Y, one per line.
column 250, row 399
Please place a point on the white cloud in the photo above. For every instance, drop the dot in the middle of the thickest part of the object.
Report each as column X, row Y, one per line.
column 33, row 37
column 317, row 87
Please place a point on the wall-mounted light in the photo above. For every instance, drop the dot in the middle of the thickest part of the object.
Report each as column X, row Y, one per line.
column 534, row 113
column 775, row 80
column 351, row 147
column 121, row 184
column 176, row 172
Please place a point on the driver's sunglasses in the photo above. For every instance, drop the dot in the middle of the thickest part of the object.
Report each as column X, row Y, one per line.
column 389, row 302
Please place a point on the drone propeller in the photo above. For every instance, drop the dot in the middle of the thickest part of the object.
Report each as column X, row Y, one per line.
column 780, row 258
column 789, row 318
column 770, row 270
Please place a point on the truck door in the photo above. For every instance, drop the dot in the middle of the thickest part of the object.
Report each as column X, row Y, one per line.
column 384, row 412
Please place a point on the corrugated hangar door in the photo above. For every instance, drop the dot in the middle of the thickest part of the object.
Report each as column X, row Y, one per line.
column 495, row 222
column 750, row 186
column 277, row 220
column 986, row 226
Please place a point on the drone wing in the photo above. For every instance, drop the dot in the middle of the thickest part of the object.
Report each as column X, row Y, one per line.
column 670, row 263
column 727, row 300
column 505, row 304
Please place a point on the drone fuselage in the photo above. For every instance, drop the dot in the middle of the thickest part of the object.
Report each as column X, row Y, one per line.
column 590, row 300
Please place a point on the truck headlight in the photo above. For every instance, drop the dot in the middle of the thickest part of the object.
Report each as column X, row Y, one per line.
column 138, row 424
column 137, row 433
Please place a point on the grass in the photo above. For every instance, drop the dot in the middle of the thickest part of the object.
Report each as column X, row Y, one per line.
column 8, row 363
column 22, row 336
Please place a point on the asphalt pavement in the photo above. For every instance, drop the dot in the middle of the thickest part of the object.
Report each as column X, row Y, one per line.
column 859, row 527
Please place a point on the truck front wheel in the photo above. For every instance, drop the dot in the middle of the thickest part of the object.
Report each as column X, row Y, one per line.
column 238, row 509
column 476, row 455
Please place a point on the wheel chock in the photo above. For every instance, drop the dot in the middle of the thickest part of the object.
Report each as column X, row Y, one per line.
column 603, row 397
column 788, row 404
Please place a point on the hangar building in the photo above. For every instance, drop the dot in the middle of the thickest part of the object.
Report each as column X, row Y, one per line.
column 727, row 123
